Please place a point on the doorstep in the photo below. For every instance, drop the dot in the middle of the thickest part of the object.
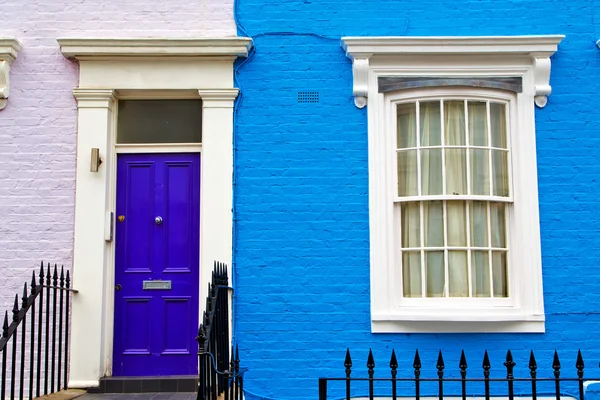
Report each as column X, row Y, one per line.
column 147, row 384
column 141, row 396
column 63, row 395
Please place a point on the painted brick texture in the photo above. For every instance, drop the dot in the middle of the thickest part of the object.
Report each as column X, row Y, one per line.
column 302, row 238
column 38, row 126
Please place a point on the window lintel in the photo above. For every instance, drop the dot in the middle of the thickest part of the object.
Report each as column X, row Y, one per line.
column 531, row 52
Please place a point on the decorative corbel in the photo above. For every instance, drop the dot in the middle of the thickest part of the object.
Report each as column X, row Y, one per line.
column 8, row 53
column 360, row 73
column 541, row 69
column 4, row 83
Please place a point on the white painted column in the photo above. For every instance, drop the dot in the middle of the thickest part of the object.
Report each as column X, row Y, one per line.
column 216, row 217
column 92, row 258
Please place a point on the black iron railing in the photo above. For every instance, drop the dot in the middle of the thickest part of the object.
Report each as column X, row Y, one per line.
column 218, row 373
column 459, row 386
column 35, row 354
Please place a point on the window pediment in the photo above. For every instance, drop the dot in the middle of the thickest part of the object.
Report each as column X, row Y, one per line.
column 493, row 56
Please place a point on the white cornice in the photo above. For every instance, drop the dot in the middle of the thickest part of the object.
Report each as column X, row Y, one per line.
column 9, row 48
column 537, row 46
column 81, row 48
column 532, row 52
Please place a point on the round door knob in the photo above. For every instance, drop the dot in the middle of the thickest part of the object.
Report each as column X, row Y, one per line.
column 158, row 220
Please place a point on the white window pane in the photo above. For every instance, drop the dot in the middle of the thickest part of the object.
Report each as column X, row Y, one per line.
column 479, row 231
column 454, row 122
column 456, row 171
column 434, row 261
column 159, row 121
column 499, row 273
column 411, row 273
column 407, row 173
column 431, row 123
column 500, row 171
column 407, row 125
column 480, row 171
column 457, row 274
column 457, row 221
column 497, row 220
column 498, row 125
column 411, row 225
column 480, row 273
column 433, row 224
column 478, row 132
column 431, row 172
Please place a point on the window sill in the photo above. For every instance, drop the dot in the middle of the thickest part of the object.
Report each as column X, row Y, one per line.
column 451, row 322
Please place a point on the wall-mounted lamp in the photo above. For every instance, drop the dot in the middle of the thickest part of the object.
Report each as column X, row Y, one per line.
column 96, row 161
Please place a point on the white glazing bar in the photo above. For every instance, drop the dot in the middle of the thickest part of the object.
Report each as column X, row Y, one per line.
column 444, row 209
column 400, row 252
column 418, row 141
column 422, row 252
column 507, row 248
column 496, row 199
column 508, row 156
column 468, row 211
column 446, row 272
column 443, row 142
column 467, row 142
column 489, row 133
column 463, row 248
column 489, row 226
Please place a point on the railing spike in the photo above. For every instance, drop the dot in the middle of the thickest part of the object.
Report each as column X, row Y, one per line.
column 33, row 284
column 42, row 274
column 417, row 360
column 68, row 280
column 462, row 364
column 24, row 298
column 393, row 360
column 62, row 276
column 532, row 365
column 532, row 362
column 509, row 364
column 48, row 275
column 486, row 364
column 579, row 364
column 16, row 308
column 440, row 362
column 55, row 276
column 5, row 325
column 348, row 360
column 556, row 364
column 370, row 360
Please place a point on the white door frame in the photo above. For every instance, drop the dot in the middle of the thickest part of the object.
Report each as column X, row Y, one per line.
column 146, row 68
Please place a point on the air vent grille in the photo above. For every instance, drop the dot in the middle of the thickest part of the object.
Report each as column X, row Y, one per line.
column 308, row 97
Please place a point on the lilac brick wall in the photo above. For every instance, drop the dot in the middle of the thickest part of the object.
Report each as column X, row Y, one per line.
column 38, row 125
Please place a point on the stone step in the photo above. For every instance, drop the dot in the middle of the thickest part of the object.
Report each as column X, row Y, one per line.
column 147, row 384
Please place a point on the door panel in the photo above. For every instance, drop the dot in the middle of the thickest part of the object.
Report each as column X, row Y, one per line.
column 157, row 239
column 137, row 325
column 139, row 203
column 176, row 339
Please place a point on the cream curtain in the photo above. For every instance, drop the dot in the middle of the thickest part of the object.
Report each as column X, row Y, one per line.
column 437, row 219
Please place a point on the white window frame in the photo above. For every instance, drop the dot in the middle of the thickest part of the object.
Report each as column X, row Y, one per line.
column 525, row 57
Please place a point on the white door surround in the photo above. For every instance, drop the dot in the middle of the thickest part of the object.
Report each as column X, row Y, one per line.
column 142, row 68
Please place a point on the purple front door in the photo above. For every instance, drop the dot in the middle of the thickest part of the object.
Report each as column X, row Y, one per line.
column 157, row 264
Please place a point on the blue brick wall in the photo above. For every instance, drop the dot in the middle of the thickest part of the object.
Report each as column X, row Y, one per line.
column 301, row 197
